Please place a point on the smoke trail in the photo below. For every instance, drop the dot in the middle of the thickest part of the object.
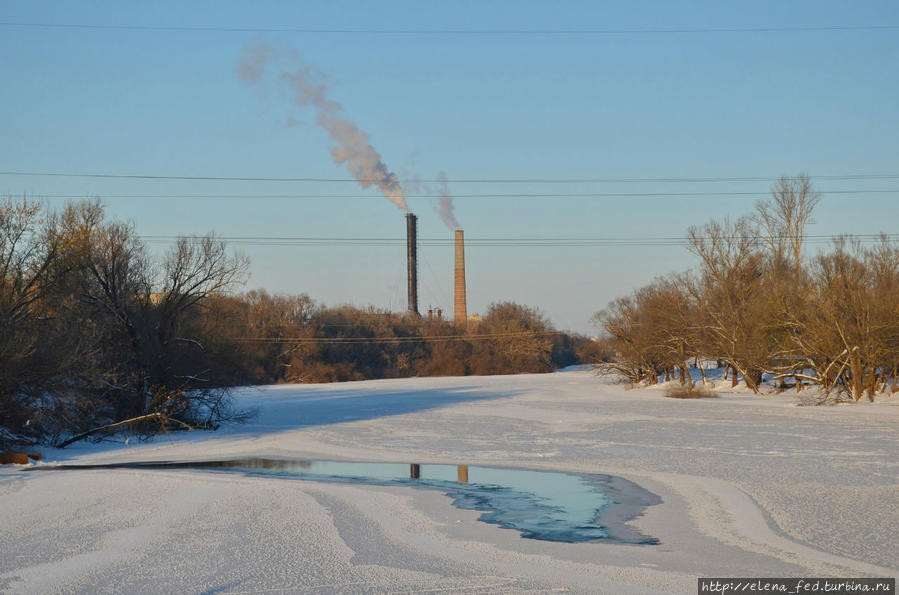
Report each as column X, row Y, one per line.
column 353, row 148
column 445, row 204
column 252, row 66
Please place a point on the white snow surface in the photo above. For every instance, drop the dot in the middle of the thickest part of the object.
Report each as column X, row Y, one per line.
column 752, row 486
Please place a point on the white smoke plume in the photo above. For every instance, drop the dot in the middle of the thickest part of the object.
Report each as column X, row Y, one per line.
column 353, row 149
column 444, row 205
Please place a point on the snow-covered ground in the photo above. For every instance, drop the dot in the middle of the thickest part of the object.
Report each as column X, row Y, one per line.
column 751, row 486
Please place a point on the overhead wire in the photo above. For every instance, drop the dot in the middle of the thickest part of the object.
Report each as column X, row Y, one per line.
column 320, row 196
column 446, row 31
column 868, row 176
column 474, row 242
column 491, row 242
column 405, row 339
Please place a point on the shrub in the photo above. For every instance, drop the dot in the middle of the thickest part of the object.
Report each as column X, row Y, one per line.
column 685, row 392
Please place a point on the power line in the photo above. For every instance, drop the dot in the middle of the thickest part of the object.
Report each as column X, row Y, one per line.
column 408, row 339
column 889, row 176
column 490, row 242
column 417, row 196
column 476, row 32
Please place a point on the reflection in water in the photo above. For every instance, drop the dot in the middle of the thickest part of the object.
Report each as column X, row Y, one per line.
column 541, row 505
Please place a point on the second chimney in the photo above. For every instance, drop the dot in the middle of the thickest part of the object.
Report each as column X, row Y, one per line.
column 460, row 316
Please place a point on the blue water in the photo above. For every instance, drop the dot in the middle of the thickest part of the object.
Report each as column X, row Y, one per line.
column 544, row 505
column 541, row 505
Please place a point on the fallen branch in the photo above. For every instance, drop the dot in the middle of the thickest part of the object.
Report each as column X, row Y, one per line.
column 802, row 376
column 119, row 424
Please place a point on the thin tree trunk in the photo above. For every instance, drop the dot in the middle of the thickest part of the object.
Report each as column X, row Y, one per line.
column 689, row 377
column 858, row 377
column 871, row 389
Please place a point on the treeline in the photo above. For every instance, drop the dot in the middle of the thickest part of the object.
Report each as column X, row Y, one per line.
column 757, row 305
column 96, row 329
column 276, row 338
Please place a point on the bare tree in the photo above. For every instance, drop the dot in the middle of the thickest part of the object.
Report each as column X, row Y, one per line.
column 522, row 340
column 632, row 357
column 27, row 251
column 655, row 331
column 32, row 359
column 852, row 331
column 144, row 306
column 279, row 317
column 729, row 292
column 784, row 218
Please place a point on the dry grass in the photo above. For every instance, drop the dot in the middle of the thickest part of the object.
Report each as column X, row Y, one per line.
column 685, row 392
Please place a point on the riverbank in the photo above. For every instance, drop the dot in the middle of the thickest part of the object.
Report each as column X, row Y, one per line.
column 750, row 486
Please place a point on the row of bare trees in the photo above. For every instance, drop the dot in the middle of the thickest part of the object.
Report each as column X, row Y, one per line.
column 292, row 339
column 757, row 305
column 96, row 329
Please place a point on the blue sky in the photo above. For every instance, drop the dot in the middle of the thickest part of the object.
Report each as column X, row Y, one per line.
column 510, row 106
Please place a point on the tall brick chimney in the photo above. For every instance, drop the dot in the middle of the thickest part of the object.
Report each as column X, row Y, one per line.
column 460, row 316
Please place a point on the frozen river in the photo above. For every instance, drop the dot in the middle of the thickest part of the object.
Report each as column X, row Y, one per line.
column 747, row 486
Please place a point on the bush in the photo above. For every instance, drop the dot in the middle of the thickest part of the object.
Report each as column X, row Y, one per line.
column 685, row 392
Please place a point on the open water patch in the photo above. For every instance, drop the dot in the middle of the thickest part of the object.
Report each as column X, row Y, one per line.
column 543, row 505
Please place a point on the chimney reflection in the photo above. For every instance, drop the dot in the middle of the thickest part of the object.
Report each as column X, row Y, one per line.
column 253, row 463
column 461, row 472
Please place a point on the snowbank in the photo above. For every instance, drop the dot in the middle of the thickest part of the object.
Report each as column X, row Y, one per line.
column 751, row 486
